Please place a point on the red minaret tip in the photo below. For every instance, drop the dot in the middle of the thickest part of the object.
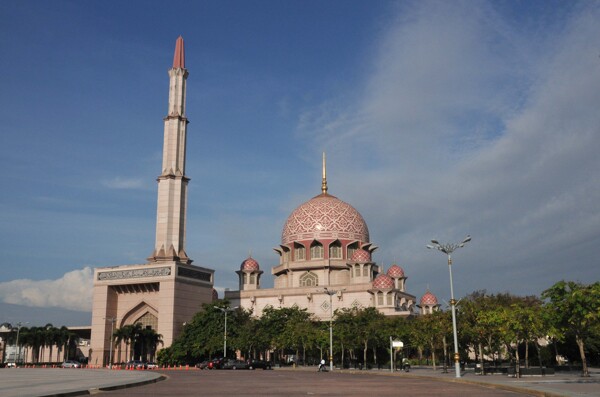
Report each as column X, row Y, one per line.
column 179, row 58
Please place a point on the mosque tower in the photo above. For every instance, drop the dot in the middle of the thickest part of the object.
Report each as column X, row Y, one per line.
column 168, row 290
column 172, row 182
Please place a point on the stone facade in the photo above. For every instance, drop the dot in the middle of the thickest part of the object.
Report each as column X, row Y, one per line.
column 162, row 296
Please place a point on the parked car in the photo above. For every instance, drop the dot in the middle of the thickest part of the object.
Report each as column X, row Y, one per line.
column 151, row 365
column 203, row 364
column 135, row 364
column 71, row 364
column 254, row 364
column 234, row 364
column 216, row 363
column 11, row 365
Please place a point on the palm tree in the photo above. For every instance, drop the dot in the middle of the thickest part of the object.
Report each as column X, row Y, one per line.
column 50, row 338
column 62, row 340
column 149, row 340
column 72, row 344
column 136, row 339
column 123, row 335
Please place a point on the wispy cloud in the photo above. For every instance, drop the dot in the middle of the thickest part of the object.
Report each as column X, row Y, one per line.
column 71, row 291
column 124, row 183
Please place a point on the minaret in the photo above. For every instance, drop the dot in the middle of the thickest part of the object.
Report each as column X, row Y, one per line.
column 172, row 182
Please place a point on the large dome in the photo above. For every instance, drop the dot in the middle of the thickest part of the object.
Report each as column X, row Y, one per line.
column 325, row 217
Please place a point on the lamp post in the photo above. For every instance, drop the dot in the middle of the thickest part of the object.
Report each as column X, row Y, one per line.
column 448, row 249
column 225, row 310
column 331, row 292
column 112, row 325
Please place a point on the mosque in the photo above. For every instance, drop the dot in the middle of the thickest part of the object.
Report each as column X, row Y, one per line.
column 325, row 258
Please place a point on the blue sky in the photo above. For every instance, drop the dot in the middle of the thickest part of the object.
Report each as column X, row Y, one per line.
column 439, row 119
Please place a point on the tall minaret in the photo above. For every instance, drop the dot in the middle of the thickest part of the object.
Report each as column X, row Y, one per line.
column 172, row 182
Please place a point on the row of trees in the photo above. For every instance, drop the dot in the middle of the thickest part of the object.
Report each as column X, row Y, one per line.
column 140, row 342
column 492, row 327
column 60, row 343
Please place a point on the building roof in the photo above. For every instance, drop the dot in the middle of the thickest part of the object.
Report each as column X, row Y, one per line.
column 179, row 56
column 250, row 264
column 429, row 299
column 325, row 217
column 395, row 271
column 383, row 281
column 361, row 256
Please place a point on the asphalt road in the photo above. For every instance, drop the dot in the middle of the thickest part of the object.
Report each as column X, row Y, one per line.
column 300, row 383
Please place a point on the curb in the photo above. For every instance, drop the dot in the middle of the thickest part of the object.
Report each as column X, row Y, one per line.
column 87, row 392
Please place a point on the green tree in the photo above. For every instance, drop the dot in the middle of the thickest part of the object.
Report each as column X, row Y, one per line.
column 574, row 309
column 369, row 324
column 123, row 335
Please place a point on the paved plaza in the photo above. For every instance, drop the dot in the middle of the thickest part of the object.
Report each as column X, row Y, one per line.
column 26, row 382
column 285, row 382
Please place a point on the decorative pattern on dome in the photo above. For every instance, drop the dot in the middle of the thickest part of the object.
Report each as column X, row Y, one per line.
column 395, row 271
column 325, row 217
column 429, row 299
column 250, row 265
column 383, row 281
column 215, row 295
column 361, row 256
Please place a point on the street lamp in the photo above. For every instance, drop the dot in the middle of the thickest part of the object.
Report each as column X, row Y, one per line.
column 331, row 292
column 448, row 249
column 225, row 310
column 112, row 325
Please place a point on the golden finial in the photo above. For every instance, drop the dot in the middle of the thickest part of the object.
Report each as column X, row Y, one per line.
column 324, row 182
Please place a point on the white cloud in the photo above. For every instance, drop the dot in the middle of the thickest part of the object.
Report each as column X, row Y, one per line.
column 72, row 291
column 469, row 125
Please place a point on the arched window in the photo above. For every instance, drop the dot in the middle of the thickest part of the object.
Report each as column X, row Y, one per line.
column 365, row 270
column 251, row 278
column 286, row 256
column 316, row 250
column 389, row 299
column 245, row 278
column 299, row 252
column 309, row 279
column 335, row 250
column 350, row 250
column 148, row 320
column 380, row 299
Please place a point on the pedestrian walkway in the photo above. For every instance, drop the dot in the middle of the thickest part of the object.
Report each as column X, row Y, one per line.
column 36, row 382
column 563, row 384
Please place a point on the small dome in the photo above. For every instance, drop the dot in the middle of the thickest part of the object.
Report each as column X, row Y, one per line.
column 383, row 281
column 395, row 271
column 429, row 299
column 215, row 295
column 250, row 265
column 361, row 255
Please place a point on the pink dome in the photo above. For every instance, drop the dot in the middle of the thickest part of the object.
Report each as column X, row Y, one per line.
column 361, row 256
column 429, row 299
column 250, row 265
column 395, row 271
column 324, row 217
column 383, row 281
column 215, row 295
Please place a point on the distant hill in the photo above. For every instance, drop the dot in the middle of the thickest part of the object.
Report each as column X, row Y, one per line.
column 38, row 316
